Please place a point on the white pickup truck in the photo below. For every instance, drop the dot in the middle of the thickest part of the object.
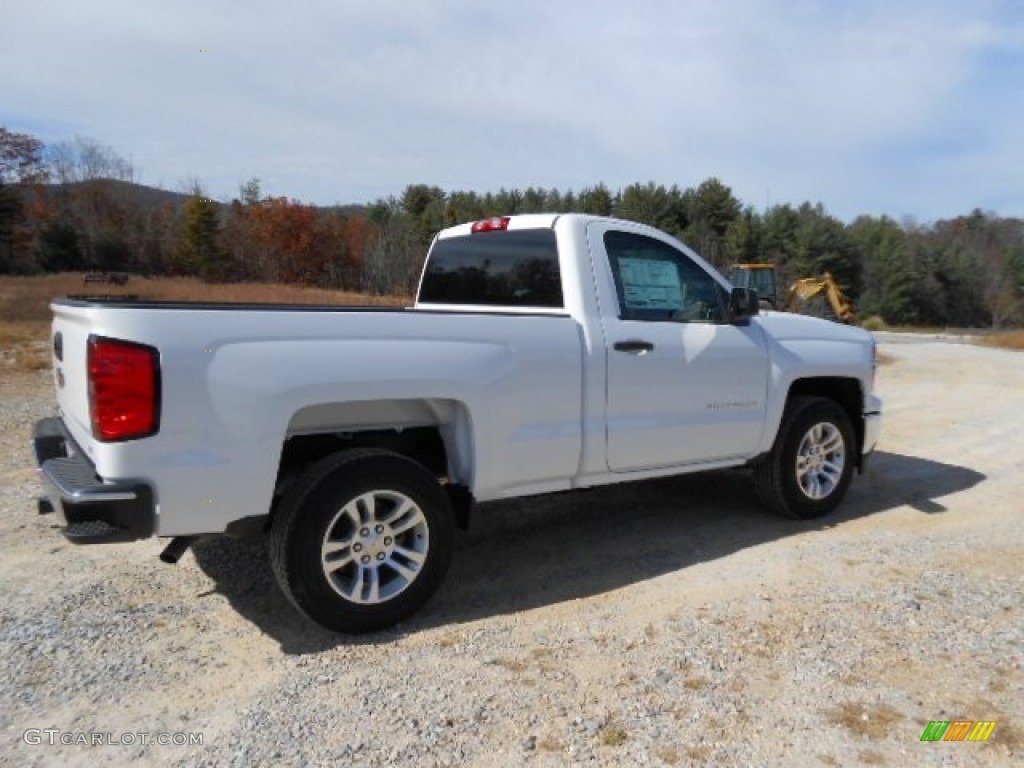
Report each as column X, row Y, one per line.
column 544, row 353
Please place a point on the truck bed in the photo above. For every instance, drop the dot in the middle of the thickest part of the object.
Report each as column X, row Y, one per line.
column 137, row 302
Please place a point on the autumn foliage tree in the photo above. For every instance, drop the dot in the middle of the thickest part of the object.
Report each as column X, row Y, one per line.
column 281, row 240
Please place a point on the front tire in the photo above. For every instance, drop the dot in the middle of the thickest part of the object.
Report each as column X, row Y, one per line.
column 362, row 540
column 811, row 464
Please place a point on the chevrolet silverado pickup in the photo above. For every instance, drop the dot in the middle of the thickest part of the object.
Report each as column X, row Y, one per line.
column 543, row 353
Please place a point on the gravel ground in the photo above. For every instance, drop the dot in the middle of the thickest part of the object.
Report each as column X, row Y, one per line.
column 666, row 623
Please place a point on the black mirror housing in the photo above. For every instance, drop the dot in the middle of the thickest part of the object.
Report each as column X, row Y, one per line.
column 743, row 305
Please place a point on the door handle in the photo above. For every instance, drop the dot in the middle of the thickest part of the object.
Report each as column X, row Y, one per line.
column 633, row 346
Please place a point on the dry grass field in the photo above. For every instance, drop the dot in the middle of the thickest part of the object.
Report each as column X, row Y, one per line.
column 25, row 303
column 27, row 299
column 1006, row 340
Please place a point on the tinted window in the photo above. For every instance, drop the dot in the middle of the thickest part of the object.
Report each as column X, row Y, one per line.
column 654, row 281
column 515, row 269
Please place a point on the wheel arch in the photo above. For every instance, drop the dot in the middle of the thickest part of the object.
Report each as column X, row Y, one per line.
column 844, row 391
column 436, row 433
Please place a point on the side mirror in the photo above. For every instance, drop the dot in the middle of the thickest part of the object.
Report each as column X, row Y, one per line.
column 743, row 305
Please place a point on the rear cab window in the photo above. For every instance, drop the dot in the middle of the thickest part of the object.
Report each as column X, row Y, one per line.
column 508, row 268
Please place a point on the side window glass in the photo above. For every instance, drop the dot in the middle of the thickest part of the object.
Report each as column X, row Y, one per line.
column 654, row 281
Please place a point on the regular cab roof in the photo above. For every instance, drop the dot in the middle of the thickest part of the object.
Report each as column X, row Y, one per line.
column 534, row 221
column 522, row 221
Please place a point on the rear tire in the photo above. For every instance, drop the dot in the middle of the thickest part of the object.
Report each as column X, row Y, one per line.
column 809, row 469
column 362, row 540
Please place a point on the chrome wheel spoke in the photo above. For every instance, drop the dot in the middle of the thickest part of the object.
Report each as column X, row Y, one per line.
column 833, row 443
column 414, row 557
column 331, row 548
column 356, row 592
column 333, row 564
column 406, row 562
column 813, row 488
column 832, row 471
column 403, row 571
column 399, row 511
column 366, row 506
column 409, row 522
column 373, row 592
column 349, row 514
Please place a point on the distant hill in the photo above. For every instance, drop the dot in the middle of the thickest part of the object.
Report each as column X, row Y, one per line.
column 122, row 191
column 125, row 190
column 152, row 197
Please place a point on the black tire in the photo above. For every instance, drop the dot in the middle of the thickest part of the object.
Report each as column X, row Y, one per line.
column 315, row 507
column 776, row 477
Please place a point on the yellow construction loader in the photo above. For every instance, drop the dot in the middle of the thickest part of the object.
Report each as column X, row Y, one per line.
column 761, row 279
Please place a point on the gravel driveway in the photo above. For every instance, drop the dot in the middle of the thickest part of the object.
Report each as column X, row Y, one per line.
column 666, row 623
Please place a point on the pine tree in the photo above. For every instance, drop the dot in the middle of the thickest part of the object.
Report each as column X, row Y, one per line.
column 200, row 248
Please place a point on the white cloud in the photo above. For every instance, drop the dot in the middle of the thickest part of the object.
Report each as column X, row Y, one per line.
column 870, row 106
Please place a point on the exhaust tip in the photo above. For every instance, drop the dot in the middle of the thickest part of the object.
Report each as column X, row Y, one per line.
column 179, row 546
column 44, row 506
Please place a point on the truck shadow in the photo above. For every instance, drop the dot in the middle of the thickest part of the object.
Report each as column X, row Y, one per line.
column 541, row 551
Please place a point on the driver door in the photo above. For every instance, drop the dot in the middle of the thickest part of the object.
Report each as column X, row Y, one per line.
column 683, row 385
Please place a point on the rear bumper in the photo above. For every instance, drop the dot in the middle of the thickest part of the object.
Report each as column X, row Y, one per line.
column 91, row 510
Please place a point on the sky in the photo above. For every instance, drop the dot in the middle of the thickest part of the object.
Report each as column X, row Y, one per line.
column 908, row 108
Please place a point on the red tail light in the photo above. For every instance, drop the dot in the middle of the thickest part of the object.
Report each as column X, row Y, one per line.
column 124, row 389
column 497, row 224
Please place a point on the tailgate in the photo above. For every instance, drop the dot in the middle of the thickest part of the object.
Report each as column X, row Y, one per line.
column 70, row 335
